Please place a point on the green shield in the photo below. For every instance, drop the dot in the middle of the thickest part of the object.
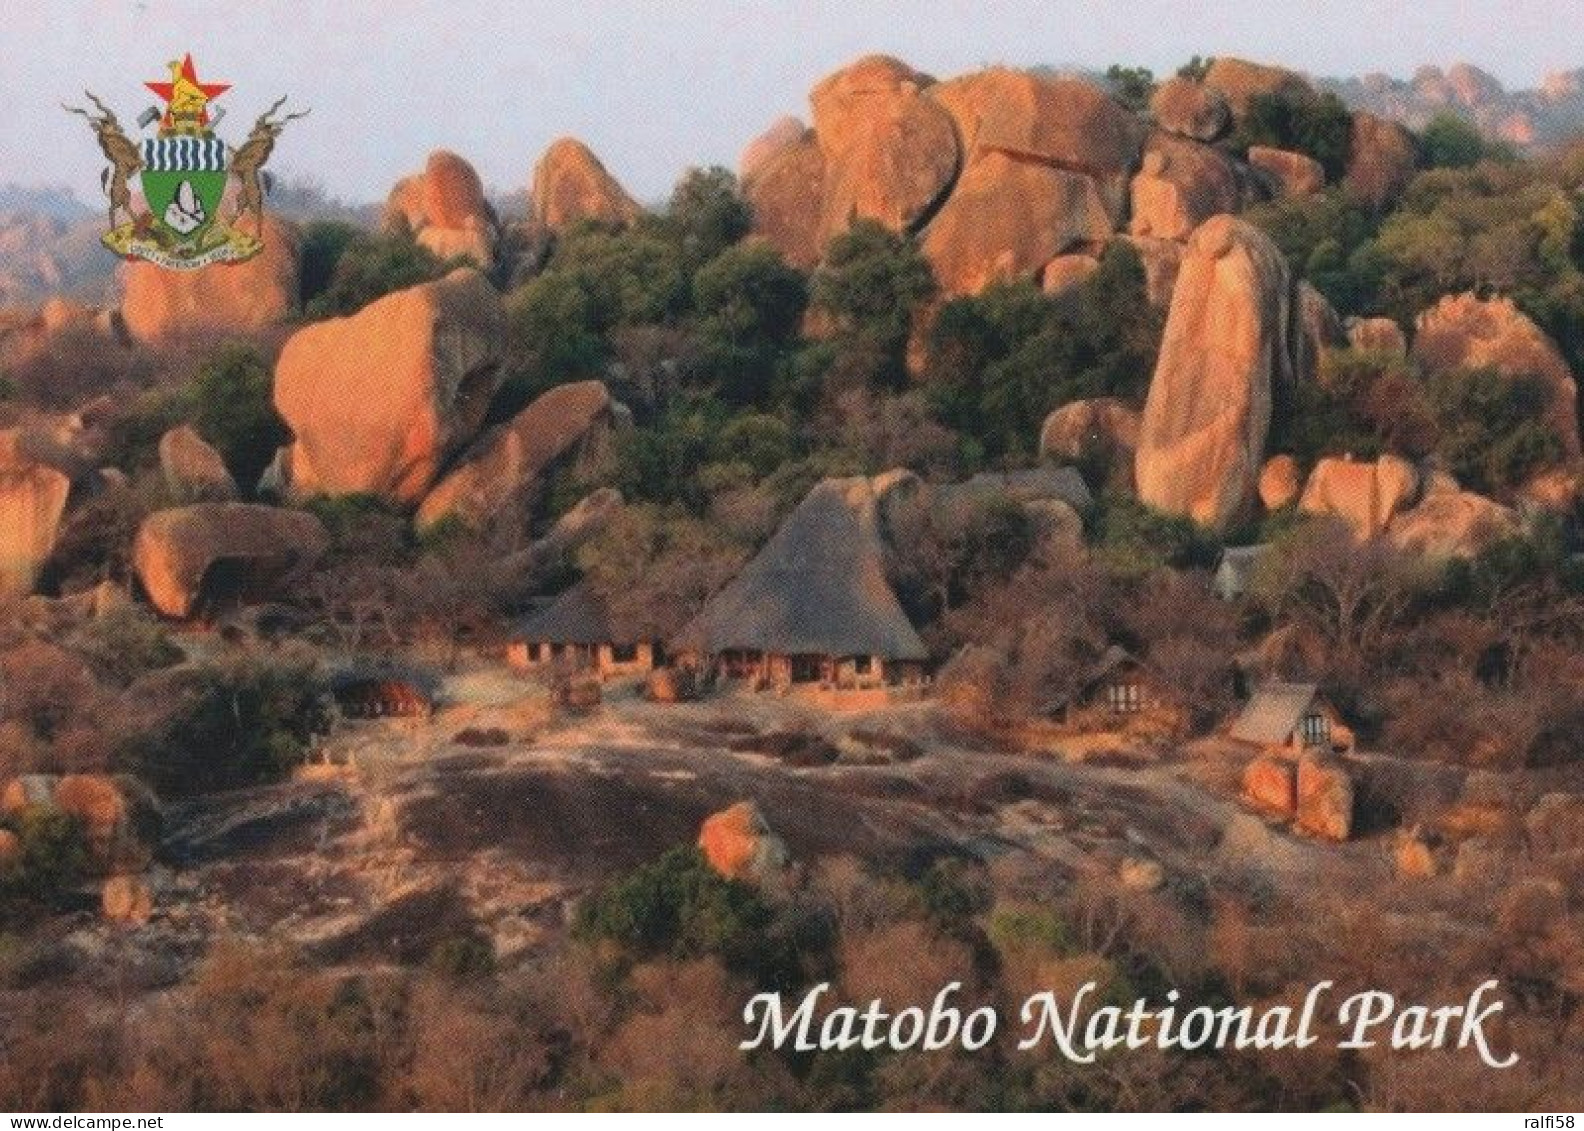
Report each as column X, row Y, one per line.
column 183, row 202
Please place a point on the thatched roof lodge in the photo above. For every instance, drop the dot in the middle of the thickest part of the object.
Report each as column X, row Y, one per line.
column 814, row 607
column 577, row 628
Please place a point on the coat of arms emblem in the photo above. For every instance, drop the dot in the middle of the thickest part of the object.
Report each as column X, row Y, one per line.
column 183, row 171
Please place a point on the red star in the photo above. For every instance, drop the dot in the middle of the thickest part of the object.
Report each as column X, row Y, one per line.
column 211, row 89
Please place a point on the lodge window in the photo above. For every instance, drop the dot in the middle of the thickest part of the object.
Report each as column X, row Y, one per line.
column 862, row 665
column 536, row 652
column 1315, row 729
column 1125, row 698
column 805, row 669
column 624, row 653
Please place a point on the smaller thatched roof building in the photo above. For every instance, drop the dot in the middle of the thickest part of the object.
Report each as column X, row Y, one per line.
column 1292, row 715
column 578, row 626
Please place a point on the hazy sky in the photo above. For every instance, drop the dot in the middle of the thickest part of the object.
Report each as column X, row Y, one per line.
column 652, row 86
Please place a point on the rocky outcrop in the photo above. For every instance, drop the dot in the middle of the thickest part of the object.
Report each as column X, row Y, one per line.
column 1377, row 335
column 1270, row 784
column 1181, row 185
column 1227, row 342
column 193, row 470
column 502, row 473
column 160, row 305
column 1381, row 161
column 118, row 816
column 738, row 844
column 1325, row 797
column 1320, row 331
column 1104, row 427
column 785, row 192
column 1366, row 496
column 1191, row 109
column 570, row 184
column 1162, row 260
column 1291, row 174
column 1067, row 273
column 186, row 556
column 378, row 401
column 1279, row 483
column 1449, row 522
column 784, row 131
column 1007, row 218
column 1241, row 81
column 890, row 151
column 1467, row 332
column 1062, row 123
column 445, row 208
column 33, row 496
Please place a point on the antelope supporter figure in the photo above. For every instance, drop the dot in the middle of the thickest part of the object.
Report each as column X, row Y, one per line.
column 248, row 161
column 122, row 153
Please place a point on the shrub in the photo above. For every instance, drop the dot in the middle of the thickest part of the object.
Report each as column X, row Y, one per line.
column 678, row 907
column 232, row 406
column 53, row 857
column 1317, row 124
column 232, row 724
column 1493, row 434
column 369, row 267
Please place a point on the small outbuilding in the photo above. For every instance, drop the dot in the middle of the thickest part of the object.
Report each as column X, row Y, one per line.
column 577, row 629
column 1234, row 573
column 1120, row 691
column 1293, row 717
column 378, row 689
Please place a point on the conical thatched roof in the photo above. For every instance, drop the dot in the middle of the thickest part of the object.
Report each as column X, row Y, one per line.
column 817, row 588
column 578, row 616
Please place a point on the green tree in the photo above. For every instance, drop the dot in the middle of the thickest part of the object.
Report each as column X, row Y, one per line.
column 1451, row 142
column 370, row 266
column 324, row 242
column 232, row 405
column 1316, row 124
column 706, row 214
column 871, row 283
column 748, row 306
column 1493, row 434
column 1131, row 85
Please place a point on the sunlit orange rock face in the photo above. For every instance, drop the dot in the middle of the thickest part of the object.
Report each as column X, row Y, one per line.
column 738, row 844
column 183, row 553
column 1227, row 340
column 570, row 184
column 379, row 400
column 162, row 305
column 33, row 494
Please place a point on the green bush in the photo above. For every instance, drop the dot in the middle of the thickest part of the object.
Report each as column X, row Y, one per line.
column 53, row 859
column 1450, row 142
column 706, row 214
column 1134, row 539
column 233, row 724
column 1316, row 124
column 678, row 907
column 370, row 266
column 232, row 406
column 1000, row 361
column 324, row 242
column 1493, row 431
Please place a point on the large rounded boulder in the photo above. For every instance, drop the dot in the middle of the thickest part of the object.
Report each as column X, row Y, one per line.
column 159, row 305
column 33, row 496
column 502, row 474
column 1060, row 122
column 1193, row 110
column 1240, row 82
column 890, row 151
column 570, row 184
column 378, row 401
column 1381, row 160
column 1227, row 342
column 786, row 190
column 1467, row 332
column 445, row 208
column 186, row 556
column 1181, row 185
column 1007, row 219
